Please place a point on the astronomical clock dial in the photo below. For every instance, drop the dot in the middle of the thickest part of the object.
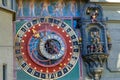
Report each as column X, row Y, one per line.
column 46, row 48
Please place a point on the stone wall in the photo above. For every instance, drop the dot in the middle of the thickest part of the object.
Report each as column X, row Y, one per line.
column 105, row 1
column 9, row 5
column 6, row 43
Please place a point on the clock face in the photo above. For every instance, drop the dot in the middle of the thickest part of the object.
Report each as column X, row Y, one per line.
column 46, row 48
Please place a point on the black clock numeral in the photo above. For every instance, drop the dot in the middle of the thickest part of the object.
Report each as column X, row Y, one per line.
column 70, row 65
column 23, row 65
column 19, row 36
column 59, row 74
column 68, row 30
column 73, row 57
column 29, row 24
column 17, row 51
column 29, row 70
column 19, row 58
column 43, row 76
column 37, row 74
column 34, row 22
column 56, row 21
column 63, row 25
column 23, row 29
column 65, row 70
column 75, row 43
column 73, row 37
column 17, row 44
column 50, row 20
column 52, row 76
column 76, row 50
column 41, row 19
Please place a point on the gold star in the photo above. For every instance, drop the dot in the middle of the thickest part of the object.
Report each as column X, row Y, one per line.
column 60, row 64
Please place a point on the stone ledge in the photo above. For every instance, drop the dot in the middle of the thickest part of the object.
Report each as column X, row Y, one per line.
column 9, row 11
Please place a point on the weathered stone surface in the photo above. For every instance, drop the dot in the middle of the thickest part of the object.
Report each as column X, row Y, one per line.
column 104, row 0
column 6, row 43
column 114, row 58
column 6, row 29
column 6, row 58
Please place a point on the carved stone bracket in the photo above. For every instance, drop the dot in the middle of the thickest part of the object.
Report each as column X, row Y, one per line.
column 94, row 64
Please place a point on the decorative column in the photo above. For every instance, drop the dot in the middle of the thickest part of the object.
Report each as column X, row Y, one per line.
column 95, row 40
